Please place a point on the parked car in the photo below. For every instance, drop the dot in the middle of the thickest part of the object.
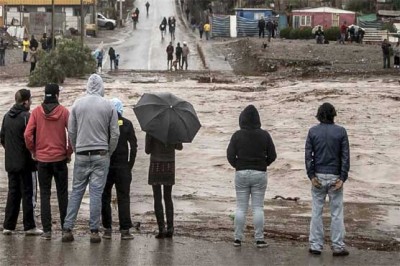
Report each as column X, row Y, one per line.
column 102, row 21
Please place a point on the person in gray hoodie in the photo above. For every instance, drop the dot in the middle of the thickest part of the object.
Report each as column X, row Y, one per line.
column 94, row 132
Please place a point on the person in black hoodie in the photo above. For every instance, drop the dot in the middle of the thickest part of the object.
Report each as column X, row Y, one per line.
column 111, row 53
column 19, row 166
column 120, row 174
column 250, row 151
column 327, row 159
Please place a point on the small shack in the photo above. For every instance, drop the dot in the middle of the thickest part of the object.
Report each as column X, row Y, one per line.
column 326, row 16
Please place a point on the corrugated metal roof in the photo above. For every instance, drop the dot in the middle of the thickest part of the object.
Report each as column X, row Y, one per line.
column 46, row 2
column 324, row 9
column 389, row 13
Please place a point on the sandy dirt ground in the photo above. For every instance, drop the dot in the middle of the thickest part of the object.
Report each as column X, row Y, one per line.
column 367, row 105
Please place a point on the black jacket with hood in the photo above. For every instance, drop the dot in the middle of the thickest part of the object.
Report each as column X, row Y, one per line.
column 251, row 148
column 17, row 156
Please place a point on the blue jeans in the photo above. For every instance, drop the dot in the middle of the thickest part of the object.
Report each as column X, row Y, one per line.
column 250, row 183
column 336, row 207
column 92, row 170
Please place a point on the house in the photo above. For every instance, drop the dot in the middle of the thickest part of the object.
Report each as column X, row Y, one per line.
column 36, row 14
column 326, row 16
column 253, row 13
column 388, row 15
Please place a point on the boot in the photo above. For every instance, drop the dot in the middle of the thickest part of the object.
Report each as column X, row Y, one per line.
column 160, row 222
column 161, row 232
column 170, row 222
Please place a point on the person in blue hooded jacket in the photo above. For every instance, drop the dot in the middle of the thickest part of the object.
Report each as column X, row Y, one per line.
column 327, row 158
column 250, row 151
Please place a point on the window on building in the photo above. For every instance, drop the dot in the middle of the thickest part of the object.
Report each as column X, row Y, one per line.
column 301, row 21
column 335, row 20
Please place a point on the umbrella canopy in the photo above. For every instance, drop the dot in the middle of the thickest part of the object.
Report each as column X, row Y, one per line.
column 167, row 117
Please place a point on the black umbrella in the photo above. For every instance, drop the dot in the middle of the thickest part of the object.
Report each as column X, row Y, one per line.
column 167, row 117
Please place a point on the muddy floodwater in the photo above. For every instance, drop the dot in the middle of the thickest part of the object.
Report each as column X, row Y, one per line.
column 204, row 192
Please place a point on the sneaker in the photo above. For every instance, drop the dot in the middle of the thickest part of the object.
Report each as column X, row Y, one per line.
column 7, row 232
column 314, row 252
column 261, row 244
column 46, row 235
column 126, row 235
column 33, row 232
column 67, row 236
column 95, row 237
column 237, row 243
column 341, row 253
column 107, row 233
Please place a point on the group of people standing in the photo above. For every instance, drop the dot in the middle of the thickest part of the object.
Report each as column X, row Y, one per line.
column 30, row 47
column 271, row 26
column 327, row 159
column 181, row 56
column 105, row 148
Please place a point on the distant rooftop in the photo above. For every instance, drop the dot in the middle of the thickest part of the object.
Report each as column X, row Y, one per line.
column 324, row 9
column 389, row 13
column 252, row 9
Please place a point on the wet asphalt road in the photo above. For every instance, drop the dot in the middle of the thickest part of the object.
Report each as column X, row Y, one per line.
column 146, row 250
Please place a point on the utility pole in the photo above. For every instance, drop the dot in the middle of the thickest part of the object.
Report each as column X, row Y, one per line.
column 120, row 13
column 52, row 24
column 82, row 23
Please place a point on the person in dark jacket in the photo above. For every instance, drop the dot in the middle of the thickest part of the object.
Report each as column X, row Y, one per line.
column 261, row 27
column 19, row 166
column 111, row 53
column 33, row 43
column 170, row 55
column 250, row 151
column 178, row 54
column 162, row 173
column 386, row 47
column 270, row 28
column 120, row 174
column 327, row 159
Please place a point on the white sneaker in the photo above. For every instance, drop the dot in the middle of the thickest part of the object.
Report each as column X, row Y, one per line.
column 7, row 232
column 34, row 232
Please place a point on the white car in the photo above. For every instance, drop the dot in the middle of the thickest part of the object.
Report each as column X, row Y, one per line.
column 107, row 23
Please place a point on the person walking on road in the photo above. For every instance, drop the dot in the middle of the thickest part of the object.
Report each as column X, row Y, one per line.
column 2, row 53
column 120, row 174
column 343, row 32
column 207, row 29
column 261, row 27
column 33, row 43
column 185, row 54
column 33, row 59
column 25, row 49
column 19, row 166
column 327, row 159
column 147, row 8
column 93, row 131
column 46, row 139
column 163, row 27
column 171, row 28
column 201, row 29
column 111, row 53
column 270, row 28
column 178, row 54
column 99, row 58
column 250, row 151
column 170, row 55
column 162, row 177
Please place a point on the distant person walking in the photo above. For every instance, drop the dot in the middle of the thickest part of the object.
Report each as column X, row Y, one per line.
column 111, row 54
column 93, row 131
column 99, row 59
column 120, row 174
column 386, row 47
column 163, row 27
column 207, row 29
column 178, row 54
column 250, row 151
column 327, row 159
column 185, row 54
column 261, row 27
column 201, row 29
column 33, row 59
column 270, row 28
column 187, row 11
column 46, row 139
column 19, row 166
column 170, row 55
column 343, row 32
column 25, row 49
column 171, row 28
column 162, row 177
column 3, row 48
column 147, row 8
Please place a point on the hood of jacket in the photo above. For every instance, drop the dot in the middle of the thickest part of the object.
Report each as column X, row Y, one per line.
column 55, row 113
column 249, row 118
column 95, row 85
column 16, row 110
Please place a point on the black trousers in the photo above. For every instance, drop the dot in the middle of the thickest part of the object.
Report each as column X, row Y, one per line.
column 261, row 32
column 46, row 171
column 20, row 187
column 159, row 210
column 122, row 178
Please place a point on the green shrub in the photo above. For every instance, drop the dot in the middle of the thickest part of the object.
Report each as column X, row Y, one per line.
column 69, row 59
column 305, row 33
column 284, row 33
column 300, row 33
column 332, row 34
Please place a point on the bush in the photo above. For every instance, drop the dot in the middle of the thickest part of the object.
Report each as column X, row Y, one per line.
column 332, row 34
column 284, row 33
column 300, row 33
column 69, row 59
